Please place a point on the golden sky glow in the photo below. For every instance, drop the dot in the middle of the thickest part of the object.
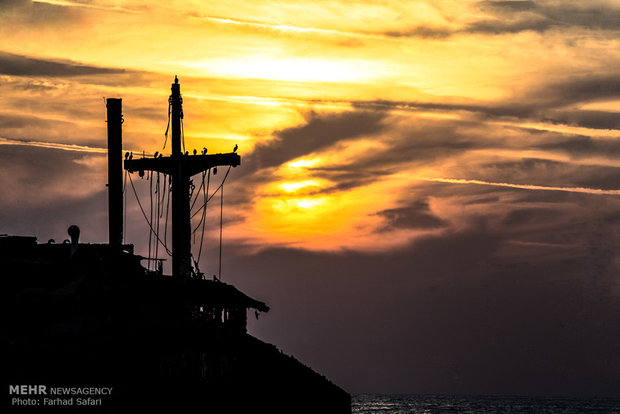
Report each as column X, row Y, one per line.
column 458, row 86
column 429, row 190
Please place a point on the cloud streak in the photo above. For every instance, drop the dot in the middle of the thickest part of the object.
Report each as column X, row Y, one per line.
column 513, row 17
column 18, row 65
column 595, row 191
column 63, row 3
column 53, row 145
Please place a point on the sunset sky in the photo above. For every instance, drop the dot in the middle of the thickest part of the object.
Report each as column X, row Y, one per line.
column 429, row 191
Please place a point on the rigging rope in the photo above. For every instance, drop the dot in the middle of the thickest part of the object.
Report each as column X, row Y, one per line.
column 204, row 198
column 167, row 210
column 163, row 197
column 221, row 225
column 199, row 189
column 203, row 208
column 159, row 213
column 182, row 134
column 205, row 191
column 168, row 127
column 125, row 209
column 145, row 217
column 150, row 178
column 212, row 195
column 157, row 217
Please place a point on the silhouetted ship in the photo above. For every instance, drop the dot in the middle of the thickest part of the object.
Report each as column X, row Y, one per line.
column 90, row 315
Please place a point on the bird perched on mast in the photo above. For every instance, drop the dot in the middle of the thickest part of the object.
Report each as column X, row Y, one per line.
column 236, row 148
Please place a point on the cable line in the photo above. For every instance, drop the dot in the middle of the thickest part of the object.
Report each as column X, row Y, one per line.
column 205, row 191
column 212, row 195
column 221, row 225
column 157, row 217
column 145, row 217
column 150, row 178
column 125, row 208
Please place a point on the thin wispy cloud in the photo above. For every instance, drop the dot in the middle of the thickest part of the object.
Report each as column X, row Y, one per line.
column 279, row 27
column 53, row 145
column 95, row 6
column 18, row 65
column 595, row 191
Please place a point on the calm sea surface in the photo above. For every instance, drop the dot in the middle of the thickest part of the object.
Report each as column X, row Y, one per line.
column 421, row 404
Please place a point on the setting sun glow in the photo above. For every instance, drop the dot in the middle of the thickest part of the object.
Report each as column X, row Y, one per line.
column 336, row 108
column 428, row 192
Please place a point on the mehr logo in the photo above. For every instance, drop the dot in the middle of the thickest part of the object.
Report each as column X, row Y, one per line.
column 28, row 389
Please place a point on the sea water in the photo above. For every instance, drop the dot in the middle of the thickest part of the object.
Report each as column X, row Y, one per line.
column 431, row 404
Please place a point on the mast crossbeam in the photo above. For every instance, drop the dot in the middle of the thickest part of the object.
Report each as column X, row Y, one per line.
column 191, row 164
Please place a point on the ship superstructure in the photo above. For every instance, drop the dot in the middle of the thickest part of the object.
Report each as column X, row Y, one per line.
column 79, row 314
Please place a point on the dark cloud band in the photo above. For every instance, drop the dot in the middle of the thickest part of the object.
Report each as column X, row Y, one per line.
column 18, row 65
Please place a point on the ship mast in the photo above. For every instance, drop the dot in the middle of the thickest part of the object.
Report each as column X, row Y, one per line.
column 181, row 167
